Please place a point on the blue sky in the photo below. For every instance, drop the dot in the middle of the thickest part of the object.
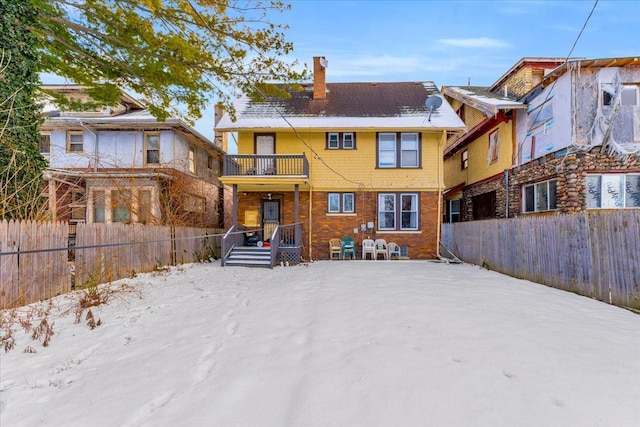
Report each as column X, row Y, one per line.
column 449, row 42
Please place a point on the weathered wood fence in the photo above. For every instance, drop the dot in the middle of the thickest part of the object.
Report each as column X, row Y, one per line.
column 99, row 253
column 595, row 253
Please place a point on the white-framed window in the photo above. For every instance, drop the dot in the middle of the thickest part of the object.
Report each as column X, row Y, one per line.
column 341, row 202
column 45, row 143
column 333, row 141
column 409, row 150
column 403, row 155
column 464, row 160
column 99, row 203
column 151, row 148
column 341, row 140
column 613, row 191
column 192, row 159
column 387, row 150
column 75, row 141
column 121, row 205
column 348, row 141
column 398, row 216
column 452, row 211
column 540, row 197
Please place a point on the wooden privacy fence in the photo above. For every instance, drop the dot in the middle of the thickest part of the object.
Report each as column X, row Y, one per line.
column 595, row 253
column 101, row 253
column 32, row 276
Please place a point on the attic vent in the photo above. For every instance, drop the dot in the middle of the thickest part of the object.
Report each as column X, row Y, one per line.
column 374, row 84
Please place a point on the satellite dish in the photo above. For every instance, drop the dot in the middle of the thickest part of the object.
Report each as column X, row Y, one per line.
column 324, row 63
column 432, row 103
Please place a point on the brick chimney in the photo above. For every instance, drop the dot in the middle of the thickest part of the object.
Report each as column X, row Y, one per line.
column 319, row 78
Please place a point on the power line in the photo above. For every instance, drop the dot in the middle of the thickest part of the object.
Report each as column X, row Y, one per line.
column 562, row 67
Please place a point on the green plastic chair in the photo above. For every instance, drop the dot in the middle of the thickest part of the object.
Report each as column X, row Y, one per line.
column 348, row 248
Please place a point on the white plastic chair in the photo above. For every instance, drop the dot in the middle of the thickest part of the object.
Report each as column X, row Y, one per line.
column 393, row 249
column 368, row 247
column 381, row 249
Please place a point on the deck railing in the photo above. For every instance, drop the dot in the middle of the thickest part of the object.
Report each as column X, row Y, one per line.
column 265, row 164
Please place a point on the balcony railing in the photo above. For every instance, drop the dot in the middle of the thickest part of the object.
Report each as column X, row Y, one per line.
column 265, row 165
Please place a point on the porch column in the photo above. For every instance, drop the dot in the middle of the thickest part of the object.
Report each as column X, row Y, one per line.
column 235, row 205
column 296, row 198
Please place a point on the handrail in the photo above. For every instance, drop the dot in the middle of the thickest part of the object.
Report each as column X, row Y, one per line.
column 224, row 250
column 275, row 244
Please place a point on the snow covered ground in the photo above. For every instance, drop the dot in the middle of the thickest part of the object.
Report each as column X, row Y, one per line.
column 342, row 343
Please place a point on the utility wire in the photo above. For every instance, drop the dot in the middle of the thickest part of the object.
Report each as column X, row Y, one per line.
column 562, row 67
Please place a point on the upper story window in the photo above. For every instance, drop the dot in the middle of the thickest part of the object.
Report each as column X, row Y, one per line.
column 464, row 160
column 398, row 211
column 75, row 141
column 398, row 149
column 613, row 191
column 460, row 112
column 151, row 148
column 628, row 96
column 540, row 197
column 192, row 159
column 45, row 143
column 494, row 147
column 344, row 140
column 341, row 202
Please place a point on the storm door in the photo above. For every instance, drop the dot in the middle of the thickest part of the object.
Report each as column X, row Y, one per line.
column 270, row 217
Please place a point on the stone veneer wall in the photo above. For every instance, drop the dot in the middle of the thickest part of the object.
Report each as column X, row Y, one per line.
column 496, row 184
column 571, row 171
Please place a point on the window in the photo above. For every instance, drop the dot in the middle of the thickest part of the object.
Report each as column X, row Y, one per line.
column 613, row 191
column 192, row 159
column 78, row 205
column 540, row 197
column 344, row 140
column 98, row 206
column 452, row 211
column 193, row 203
column 392, row 216
column 484, row 205
column 152, row 148
column 144, row 206
column 628, row 96
column 406, row 154
column 409, row 150
column 45, row 143
column 120, row 206
column 460, row 112
column 348, row 141
column 210, row 162
column 464, row 160
column 341, row 202
column 538, row 140
column 75, row 141
column 494, row 147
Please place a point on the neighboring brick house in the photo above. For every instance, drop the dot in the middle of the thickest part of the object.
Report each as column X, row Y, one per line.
column 357, row 159
column 120, row 164
column 475, row 161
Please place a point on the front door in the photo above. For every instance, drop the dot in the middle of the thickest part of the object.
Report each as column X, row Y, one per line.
column 265, row 144
column 270, row 217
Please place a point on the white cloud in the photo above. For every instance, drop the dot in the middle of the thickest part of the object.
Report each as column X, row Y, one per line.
column 481, row 42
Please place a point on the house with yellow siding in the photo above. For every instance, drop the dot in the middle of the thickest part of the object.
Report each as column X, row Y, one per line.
column 335, row 160
column 475, row 161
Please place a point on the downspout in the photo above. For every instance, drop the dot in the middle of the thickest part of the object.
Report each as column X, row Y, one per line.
column 310, row 218
column 440, row 188
column 506, row 184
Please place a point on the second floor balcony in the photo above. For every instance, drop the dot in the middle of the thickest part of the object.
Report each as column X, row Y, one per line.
column 265, row 165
